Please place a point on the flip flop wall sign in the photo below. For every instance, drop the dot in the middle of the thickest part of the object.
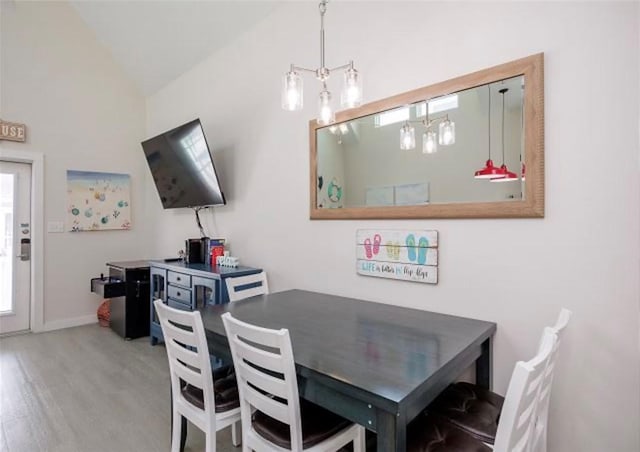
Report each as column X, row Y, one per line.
column 408, row 255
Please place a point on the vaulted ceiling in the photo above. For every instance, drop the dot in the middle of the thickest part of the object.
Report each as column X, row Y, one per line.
column 156, row 41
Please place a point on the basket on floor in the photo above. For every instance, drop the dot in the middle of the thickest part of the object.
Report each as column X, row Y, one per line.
column 104, row 313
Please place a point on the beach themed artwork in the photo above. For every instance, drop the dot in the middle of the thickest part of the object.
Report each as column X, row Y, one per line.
column 98, row 201
column 409, row 255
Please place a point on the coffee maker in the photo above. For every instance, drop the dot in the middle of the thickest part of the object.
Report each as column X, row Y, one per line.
column 197, row 250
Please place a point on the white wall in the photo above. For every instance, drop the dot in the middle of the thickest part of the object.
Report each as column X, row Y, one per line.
column 81, row 113
column 583, row 255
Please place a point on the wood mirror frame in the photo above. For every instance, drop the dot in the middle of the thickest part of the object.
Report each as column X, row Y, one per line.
column 532, row 206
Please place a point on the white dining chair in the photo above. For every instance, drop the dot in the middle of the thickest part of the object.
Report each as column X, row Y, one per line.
column 477, row 410
column 515, row 431
column 209, row 404
column 542, row 422
column 238, row 290
column 274, row 418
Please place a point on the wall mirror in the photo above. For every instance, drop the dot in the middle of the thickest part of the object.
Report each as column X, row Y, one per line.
column 470, row 147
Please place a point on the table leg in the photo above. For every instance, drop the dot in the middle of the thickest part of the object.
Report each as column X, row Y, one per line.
column 392, row 432
column 484, row 375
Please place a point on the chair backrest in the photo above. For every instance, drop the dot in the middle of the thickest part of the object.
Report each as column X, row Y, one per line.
column 519, row 412
column 545, row 390
column 266, row 374
column 236, row 287
column 187, row 351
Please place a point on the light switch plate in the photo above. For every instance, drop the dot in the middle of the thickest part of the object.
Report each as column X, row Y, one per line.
column 55, row 226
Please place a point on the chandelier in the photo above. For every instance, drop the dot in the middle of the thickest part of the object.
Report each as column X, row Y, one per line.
column 430, row 139
column 292, row 88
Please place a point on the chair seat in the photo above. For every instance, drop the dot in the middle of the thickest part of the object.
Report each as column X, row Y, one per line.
column 318, row 425
column 431, row 433
column 471, row 408
column 225, row 389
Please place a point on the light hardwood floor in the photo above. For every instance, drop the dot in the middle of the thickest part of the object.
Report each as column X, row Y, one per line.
column 85, row 389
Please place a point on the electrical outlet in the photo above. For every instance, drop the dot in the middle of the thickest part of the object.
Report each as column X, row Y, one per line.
column 55, row 226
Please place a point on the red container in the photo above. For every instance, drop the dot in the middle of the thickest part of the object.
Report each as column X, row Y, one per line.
column 217, row 250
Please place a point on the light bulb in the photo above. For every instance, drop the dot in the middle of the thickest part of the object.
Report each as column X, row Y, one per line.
column 447, row 133
column 326, row 115
column 292, row 91
column 351, row 95
column 407, row 137
column 429, row 142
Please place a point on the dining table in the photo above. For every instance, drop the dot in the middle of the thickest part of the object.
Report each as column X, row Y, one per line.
column 376, row 364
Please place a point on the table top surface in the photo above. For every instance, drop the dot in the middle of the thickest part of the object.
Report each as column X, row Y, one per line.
column 130, row 265
column 384, row 349
column 204, row 269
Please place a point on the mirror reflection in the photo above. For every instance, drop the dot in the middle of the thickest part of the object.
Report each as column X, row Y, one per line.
column 463, row 147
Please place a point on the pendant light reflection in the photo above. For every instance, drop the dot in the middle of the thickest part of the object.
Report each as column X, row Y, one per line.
column 505, row 174
column 429, row 142
column 407, row 137
column 445, row 136
column 489, row 171
column 447, row 133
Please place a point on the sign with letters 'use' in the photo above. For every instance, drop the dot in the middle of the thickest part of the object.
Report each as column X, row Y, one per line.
column 12, row 131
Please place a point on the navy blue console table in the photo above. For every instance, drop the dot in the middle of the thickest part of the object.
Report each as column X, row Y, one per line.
column 189, row 286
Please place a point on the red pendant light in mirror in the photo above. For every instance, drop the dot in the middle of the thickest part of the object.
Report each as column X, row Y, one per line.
column 505, row 175
column 489, row 171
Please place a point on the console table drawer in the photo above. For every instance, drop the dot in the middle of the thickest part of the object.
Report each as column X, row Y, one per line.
column 180, row 294
column 179, row 278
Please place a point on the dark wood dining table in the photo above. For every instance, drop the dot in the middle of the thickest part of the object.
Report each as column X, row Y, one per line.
column 376, row 364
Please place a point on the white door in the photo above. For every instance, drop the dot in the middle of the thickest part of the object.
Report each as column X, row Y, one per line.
column 15, row 246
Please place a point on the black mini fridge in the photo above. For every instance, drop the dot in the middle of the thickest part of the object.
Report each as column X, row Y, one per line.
column 127, row 286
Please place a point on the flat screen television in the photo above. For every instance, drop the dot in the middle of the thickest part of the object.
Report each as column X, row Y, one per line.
column 182, row 168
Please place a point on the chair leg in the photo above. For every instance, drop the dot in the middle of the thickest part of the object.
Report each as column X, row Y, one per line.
column 210, row 439
column 177, row 428
column 236, row 433
column 183, row 433
column 359, row 444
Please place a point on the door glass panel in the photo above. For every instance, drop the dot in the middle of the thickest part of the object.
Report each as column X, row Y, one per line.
column 7, row 183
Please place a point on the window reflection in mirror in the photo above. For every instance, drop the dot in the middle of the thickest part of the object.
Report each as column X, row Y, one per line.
column 404, row 156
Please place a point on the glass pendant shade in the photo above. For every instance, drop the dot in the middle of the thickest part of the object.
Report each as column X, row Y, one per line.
column 507, row 176
column 407, row 137
column 326, row 115
column 489, row 171
column 429, row 143
column 351, row 95
column 292, row 91
column 447, row 133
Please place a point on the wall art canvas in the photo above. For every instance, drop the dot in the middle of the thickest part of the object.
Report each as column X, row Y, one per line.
column 98, row 201
column 408, row 255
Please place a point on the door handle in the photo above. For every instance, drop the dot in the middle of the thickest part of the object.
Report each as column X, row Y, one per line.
column 25, row 250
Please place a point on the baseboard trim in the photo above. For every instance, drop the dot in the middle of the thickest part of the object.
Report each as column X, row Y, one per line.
column 69, row 323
